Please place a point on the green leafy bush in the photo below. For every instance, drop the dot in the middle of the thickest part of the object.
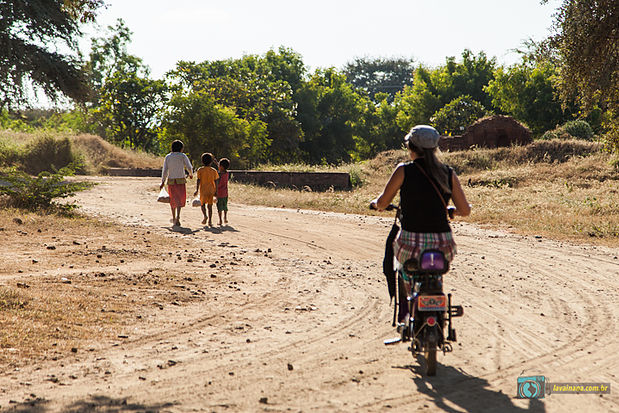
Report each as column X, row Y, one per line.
column 579, row 129
column 356, row 176
column 40, row 192
column 455, row 116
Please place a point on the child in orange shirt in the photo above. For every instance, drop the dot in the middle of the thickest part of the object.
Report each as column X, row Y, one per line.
column 207, row 176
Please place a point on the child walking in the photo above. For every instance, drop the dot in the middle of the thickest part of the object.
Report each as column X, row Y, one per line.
column 222, row 189
column 174, row 166
column 207, row 175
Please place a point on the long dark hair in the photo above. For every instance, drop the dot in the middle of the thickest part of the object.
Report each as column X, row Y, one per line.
column 435, row 168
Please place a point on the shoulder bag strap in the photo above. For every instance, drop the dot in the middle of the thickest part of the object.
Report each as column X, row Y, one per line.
column 433, row 184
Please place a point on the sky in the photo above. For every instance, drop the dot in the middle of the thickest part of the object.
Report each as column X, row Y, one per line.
column 326, row 32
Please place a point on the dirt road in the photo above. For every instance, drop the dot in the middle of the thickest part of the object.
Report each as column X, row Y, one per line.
column 300, row 326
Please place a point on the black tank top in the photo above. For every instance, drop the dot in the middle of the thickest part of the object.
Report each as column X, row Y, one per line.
column 422, row 209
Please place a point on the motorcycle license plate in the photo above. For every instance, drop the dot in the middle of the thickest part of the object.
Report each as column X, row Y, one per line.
column 432, row 303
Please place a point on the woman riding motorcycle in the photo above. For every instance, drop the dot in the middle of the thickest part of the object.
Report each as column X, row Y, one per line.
column 426, row 185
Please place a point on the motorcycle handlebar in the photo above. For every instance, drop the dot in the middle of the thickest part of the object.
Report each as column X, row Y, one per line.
column 450, row 211
column 390, row 207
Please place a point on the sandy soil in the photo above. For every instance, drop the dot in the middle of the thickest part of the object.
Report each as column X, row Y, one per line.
column 296, row 315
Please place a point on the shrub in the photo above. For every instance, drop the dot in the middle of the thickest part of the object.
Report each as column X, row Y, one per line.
column 39, row 193
column 455, row 116
column 551, row 134
column 9, row 153
column 46, row 153
column 579, row 129
column 356, row 176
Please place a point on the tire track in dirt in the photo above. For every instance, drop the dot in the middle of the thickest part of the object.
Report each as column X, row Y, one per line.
column 332, row 262
column 555, row 357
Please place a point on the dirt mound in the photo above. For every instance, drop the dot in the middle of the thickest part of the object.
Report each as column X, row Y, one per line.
column 490, row 132
column 99, row 154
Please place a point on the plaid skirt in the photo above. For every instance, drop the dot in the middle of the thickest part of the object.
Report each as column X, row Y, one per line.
column 410, row 244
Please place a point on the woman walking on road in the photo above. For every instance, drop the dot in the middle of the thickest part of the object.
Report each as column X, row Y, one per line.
column 174, row 166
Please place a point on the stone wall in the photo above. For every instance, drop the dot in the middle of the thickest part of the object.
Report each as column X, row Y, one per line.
column 316, row 181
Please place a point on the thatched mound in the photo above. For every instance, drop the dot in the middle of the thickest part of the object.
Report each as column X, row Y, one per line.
column 490, row 132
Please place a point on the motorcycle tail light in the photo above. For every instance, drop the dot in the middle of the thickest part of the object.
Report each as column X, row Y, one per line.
column 431, row 321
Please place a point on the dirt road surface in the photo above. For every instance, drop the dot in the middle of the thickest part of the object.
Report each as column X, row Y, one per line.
column 301, row 323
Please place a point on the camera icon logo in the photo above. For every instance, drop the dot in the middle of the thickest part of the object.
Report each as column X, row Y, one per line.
column 531, row 387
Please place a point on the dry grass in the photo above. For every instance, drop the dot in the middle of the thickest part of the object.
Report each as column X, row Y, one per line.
column 96, row 153
column 77, row 283
column 99, row 154
column 559, row 189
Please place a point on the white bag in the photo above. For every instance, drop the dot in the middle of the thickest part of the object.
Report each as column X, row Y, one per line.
column 163, row 196
column 196, row 202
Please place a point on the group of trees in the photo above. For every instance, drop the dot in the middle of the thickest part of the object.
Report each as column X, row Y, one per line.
column 270, row 108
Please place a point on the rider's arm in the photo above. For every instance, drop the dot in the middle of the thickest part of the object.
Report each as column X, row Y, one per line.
column 463, row 208
column 391, row 189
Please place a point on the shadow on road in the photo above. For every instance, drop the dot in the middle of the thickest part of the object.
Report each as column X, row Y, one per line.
column 452, row 386
column 219, row 229
column 212, row 230
column 102, row 404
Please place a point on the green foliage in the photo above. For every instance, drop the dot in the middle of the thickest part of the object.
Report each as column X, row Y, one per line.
column 329, row 110
column 32, row 120
column 528, row 93
column 611, row 137
column 579, row 129
column 256, row 88
column 129, row 108
column 12, row 123
column 585, row 40
column 40, row 192
column 380, row 75
column 356, row 176
column 434, row 88
column 377, row 129
column 205, row 126
column 455, row 116
column 552, row 134
column 31, row 35
column 126, row 103
column 10, row 153
column 75, row 120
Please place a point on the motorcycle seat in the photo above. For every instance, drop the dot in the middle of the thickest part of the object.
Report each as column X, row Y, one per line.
column 430, row 262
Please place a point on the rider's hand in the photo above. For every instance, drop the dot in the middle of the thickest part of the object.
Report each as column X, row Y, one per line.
column 374, row 205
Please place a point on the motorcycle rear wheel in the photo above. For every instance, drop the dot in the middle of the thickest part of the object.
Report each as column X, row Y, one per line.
column 430, row 356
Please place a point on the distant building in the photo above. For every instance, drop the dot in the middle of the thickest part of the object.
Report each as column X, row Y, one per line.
column 490, row 132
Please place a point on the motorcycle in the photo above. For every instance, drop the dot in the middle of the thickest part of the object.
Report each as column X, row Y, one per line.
column 429, row 313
